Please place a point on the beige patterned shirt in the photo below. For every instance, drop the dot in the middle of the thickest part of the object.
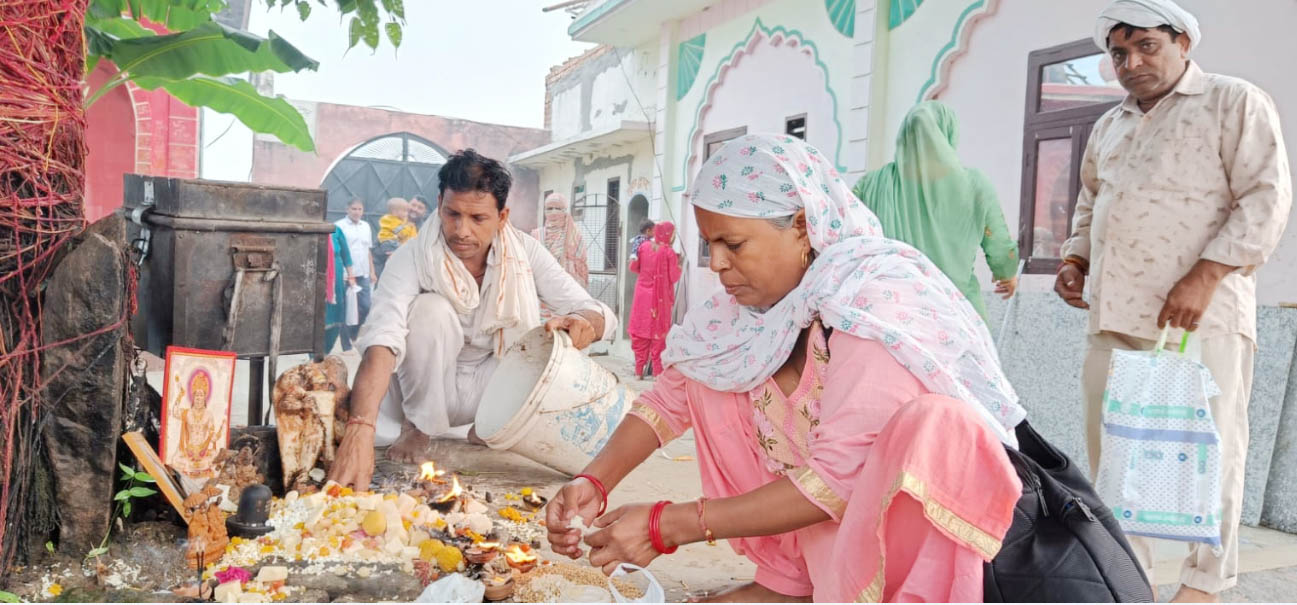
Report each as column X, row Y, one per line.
column 1202, row 175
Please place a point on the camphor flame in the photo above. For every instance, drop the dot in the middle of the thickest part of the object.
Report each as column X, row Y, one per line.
column 455, row 490
column 428, row 471
column 518, row 553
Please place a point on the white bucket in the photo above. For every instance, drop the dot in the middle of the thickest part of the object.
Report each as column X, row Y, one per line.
column 550, row 403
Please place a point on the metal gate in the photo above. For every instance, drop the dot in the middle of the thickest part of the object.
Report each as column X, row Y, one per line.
column 599, row 219
column 394, row 165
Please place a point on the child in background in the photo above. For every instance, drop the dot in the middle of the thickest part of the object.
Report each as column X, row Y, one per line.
column 394, row 229
column 645, row 234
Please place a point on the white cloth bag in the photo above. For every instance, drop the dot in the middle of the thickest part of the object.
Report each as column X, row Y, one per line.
column 1160, row 466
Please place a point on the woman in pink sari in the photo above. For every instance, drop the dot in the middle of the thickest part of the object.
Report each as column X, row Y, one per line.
column 658, row 267
column 846, row 400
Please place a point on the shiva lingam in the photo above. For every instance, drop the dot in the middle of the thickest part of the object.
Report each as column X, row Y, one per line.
column 520, row 557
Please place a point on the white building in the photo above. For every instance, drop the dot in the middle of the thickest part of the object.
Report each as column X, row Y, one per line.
column 634, row 118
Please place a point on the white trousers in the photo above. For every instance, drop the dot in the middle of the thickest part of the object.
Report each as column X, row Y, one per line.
column 439, row 383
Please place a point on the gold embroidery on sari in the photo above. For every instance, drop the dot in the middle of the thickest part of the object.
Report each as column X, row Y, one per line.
column 955, row 526
column 655, row 421
column 818, row 490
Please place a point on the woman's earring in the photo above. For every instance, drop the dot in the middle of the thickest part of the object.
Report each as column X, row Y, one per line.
column 806, row 258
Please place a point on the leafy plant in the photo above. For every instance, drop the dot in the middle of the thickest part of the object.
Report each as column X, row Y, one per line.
column 135, row 488
column 9, row 597
column 195, row 60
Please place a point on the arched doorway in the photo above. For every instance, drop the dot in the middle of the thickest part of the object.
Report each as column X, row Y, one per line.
column 400, row 164
column 635, row 214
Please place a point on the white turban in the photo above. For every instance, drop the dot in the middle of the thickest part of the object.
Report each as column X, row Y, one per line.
column 1146, row 14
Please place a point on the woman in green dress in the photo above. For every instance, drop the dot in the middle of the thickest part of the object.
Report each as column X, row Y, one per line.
column 338, row 278
column 928, row 199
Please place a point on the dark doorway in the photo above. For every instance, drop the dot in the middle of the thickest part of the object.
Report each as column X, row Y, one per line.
column 636, row 213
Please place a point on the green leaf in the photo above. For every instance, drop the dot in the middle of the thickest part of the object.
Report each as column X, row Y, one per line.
column 50, row 547
column 144, row 477
column 142, row 492
column 211, row 48
column 393, row 33
column 395, row 7
column 303, row 9
column 9, row 597
column 273, row 116
column 122, row 495
column 356, row 30
column 102, row 550
column 126, row 509
column 126, row 469
column 371, row 35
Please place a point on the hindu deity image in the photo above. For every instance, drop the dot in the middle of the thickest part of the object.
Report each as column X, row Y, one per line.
column 196, row 430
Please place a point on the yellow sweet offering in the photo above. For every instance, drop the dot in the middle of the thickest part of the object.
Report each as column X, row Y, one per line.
column 449, row 559
column 374, row 524
column 428, row 549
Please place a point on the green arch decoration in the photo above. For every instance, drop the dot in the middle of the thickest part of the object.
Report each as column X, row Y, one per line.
column 843, row 15
column 689, row 59
column 760, row 29
column 901, row 11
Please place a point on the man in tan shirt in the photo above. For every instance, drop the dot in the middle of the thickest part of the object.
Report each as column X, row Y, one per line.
column 1186, row 190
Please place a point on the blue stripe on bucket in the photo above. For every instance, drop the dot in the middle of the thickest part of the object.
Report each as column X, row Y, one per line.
column 1128, row 432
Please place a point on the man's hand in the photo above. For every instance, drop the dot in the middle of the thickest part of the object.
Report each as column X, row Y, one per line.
column 577, row 327
column 1070, row 285
column 353, row 466
column 1188, row 299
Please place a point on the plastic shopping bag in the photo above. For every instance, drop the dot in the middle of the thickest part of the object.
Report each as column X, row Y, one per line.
column 1160, row 466
column 641, row 578
column 353, row 309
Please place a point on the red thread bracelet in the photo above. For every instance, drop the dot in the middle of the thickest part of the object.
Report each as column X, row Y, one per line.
column 655, row 529
column 603, row 491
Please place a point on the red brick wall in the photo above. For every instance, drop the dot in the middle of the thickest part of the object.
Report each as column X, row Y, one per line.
column 338, row 128
column 135, row 130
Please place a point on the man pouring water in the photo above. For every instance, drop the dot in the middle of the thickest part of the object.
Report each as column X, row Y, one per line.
column 447, row 307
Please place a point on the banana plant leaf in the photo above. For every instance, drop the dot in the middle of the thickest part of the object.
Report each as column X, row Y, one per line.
column 236, row 97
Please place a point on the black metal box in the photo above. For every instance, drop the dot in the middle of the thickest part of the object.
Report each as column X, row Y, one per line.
column 207, row 243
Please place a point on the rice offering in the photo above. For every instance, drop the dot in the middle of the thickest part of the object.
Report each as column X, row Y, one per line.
column 567, row 583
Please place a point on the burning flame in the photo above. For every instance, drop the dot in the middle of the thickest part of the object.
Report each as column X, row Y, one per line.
column 518, row 554
column 487, row 546
column 455, row 490
column 428, row 471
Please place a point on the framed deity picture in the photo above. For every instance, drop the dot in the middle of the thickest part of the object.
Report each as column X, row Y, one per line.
column 196, row 401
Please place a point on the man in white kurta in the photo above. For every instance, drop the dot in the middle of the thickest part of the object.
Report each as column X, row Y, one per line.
column 1185, row 192
column 444, row 359
column 449, row 303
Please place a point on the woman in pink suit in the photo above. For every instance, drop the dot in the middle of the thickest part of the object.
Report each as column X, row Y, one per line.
column 658, row 267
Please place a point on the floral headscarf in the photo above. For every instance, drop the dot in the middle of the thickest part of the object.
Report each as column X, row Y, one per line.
column 860, row 283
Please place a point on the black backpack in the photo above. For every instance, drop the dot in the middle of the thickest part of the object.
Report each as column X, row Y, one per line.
column 1064, row 544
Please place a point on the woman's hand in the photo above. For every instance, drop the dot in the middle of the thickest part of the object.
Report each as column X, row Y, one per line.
column 624, row 538
column 1006, row 287
column 579, row 498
